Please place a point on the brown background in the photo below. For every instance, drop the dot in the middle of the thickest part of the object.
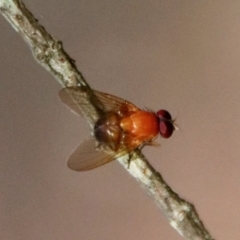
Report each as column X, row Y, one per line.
column 180, row 55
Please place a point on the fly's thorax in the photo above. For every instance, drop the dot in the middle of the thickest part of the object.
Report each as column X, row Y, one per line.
column 141, row 124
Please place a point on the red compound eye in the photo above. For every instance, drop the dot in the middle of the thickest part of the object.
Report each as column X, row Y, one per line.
column 166, row 126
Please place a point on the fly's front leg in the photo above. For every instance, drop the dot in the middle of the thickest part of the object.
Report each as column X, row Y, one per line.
column 130, row 155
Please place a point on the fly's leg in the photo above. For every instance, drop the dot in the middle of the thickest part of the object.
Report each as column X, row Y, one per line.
column 139, row 148
column 130, row 155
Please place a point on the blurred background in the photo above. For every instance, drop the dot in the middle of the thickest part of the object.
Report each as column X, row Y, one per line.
column 182, row 56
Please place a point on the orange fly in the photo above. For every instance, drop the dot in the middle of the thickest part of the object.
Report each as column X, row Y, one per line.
column 121, row 128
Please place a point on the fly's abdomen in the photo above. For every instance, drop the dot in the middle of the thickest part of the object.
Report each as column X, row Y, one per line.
column 108, row 132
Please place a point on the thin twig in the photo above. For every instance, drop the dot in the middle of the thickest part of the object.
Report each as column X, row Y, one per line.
column 50, row 54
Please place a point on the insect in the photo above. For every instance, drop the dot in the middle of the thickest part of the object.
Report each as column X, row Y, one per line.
column 121, row 128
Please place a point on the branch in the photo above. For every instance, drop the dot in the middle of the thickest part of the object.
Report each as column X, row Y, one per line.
column 49, row 52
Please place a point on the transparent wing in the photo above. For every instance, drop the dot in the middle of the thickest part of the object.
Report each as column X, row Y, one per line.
column 75, row 99
column 86, row 156
column 112, row 103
